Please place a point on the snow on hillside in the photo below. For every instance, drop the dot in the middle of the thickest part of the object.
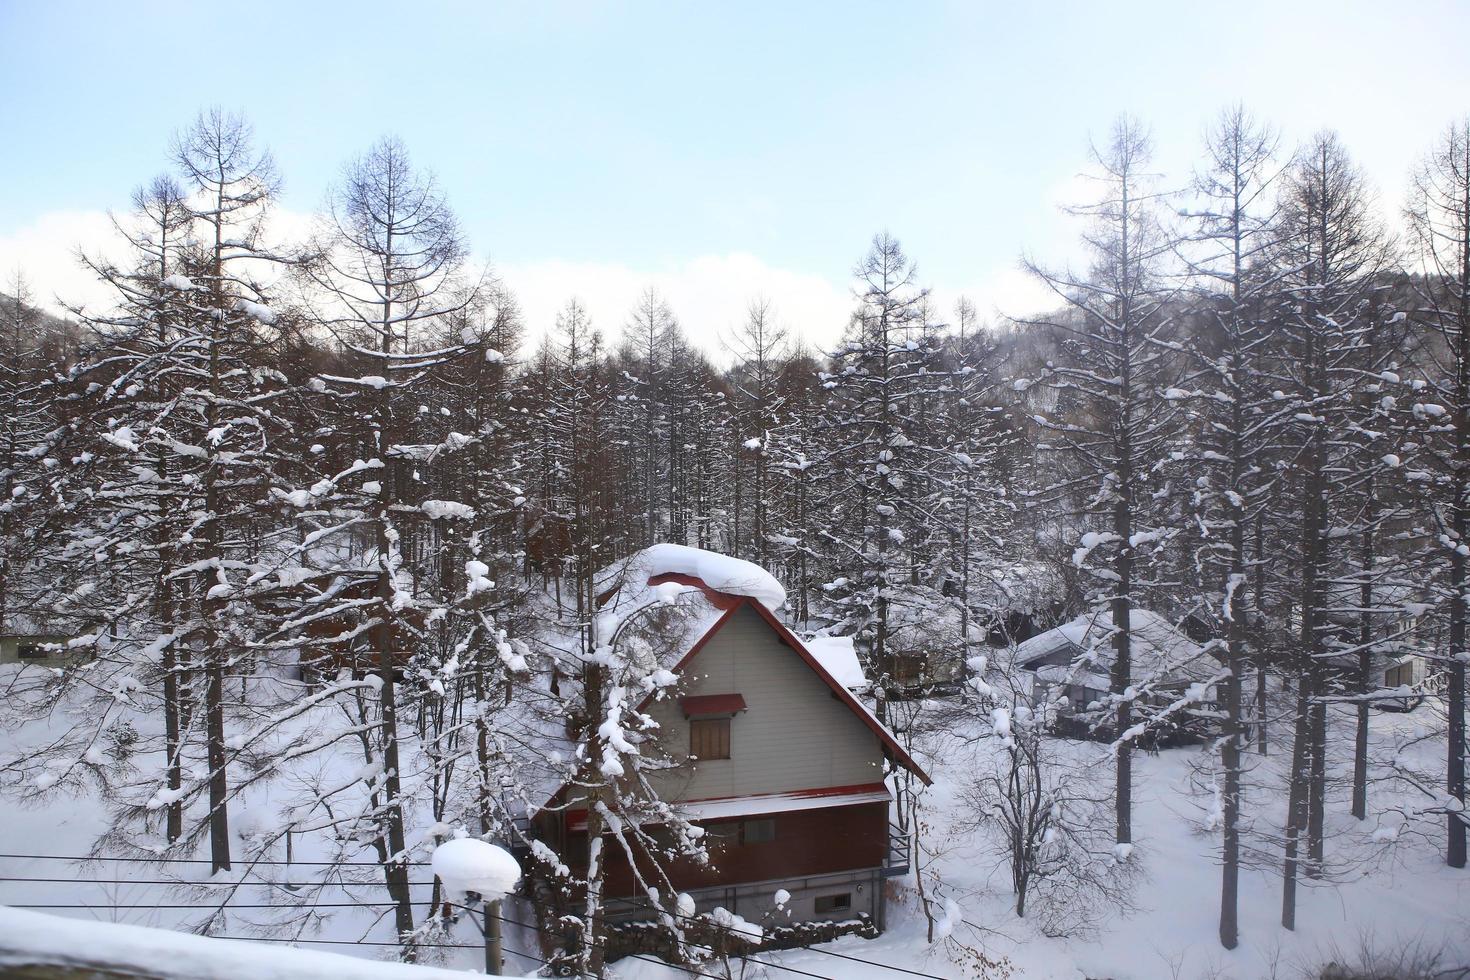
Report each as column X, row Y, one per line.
column 1393, row 891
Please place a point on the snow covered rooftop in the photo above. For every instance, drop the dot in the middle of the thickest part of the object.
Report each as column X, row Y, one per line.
column 1160, row 649
column 838, row 657
column 747, row 806
column 721, row 573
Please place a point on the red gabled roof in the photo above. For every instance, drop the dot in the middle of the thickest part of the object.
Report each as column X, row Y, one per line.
column 731, row 604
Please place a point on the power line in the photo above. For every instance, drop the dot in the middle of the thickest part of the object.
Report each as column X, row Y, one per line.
column 199, row 884
column 605, row 945
column 230, row 907
column 810, row 949
column 369, row 942
column 247, row 861
column 542, row 906
column 751, row 957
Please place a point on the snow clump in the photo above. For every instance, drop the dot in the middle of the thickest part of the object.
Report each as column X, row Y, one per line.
column 472, row 865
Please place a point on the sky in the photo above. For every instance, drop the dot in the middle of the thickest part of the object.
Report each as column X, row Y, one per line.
column 715, row 151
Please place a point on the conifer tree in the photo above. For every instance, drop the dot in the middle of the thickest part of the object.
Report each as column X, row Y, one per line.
column 1227, row 388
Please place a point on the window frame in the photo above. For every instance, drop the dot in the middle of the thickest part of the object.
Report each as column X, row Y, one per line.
column 763, row 823
column 833, row 908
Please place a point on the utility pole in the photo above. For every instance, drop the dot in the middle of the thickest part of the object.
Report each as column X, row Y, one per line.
column 492, row 938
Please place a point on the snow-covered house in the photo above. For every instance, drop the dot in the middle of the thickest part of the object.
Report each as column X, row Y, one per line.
column 31, row 640
column 1074, row 661
column 925, row 644
column 781, row 765
column 1396, row 660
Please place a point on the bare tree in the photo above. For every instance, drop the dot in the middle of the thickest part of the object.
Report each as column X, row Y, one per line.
column 1439, row 222
column 1227, row 387
column 759, row 345
column 1330, row 251
column 390, row 265
column 1044, row 816
column 1112, row 371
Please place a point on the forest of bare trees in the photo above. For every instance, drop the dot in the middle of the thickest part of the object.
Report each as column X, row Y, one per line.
column 344, row 479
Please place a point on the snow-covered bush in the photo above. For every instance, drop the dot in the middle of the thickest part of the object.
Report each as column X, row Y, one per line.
column 1047, row 818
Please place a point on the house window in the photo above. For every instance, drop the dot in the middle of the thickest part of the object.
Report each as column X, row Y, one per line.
column 827, row 904
column 1082, row 697
column 31, row 651
column 760, row 831
column 1400, row 675
column 709, row 738
column 723, row 833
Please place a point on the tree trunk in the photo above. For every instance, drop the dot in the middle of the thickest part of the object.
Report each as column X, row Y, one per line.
column 219, row 814
column 172, row 743
column 1230, row 859
column 1317, row 783
column 1296, row 803
column 1455, row 763
column 1121, row 674
column 395, row 871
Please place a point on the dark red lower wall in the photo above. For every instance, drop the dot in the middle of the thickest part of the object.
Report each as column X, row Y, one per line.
column 807, row 842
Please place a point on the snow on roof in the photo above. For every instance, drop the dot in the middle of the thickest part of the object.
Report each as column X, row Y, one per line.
column 746, row 806
column 1065, row 674
column 35, row 939
column 1160, row 649
column 720, row 572
column 838, row 657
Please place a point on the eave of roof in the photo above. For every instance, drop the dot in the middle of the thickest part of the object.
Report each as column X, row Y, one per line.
column 711, row 704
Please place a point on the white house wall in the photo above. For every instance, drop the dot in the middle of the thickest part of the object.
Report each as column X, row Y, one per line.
column 795, row 734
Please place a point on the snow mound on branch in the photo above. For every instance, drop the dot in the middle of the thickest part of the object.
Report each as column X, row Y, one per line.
column 737, row 925
column 720, row 572
column 440, row 509
column 472, row 865
column 259, row 311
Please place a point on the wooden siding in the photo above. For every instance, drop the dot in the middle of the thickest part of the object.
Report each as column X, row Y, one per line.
column 795, row 734
column 806, row 842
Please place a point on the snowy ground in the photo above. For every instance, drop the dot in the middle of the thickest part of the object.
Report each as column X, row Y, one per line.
column 1395, row 895
column 1392, row 892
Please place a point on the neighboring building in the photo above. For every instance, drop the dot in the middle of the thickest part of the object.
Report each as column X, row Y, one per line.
column 33, row 648
column 28, row 640
column 784, row 766
column 1074, row 661
column 926, row 646
column 1396, row 660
